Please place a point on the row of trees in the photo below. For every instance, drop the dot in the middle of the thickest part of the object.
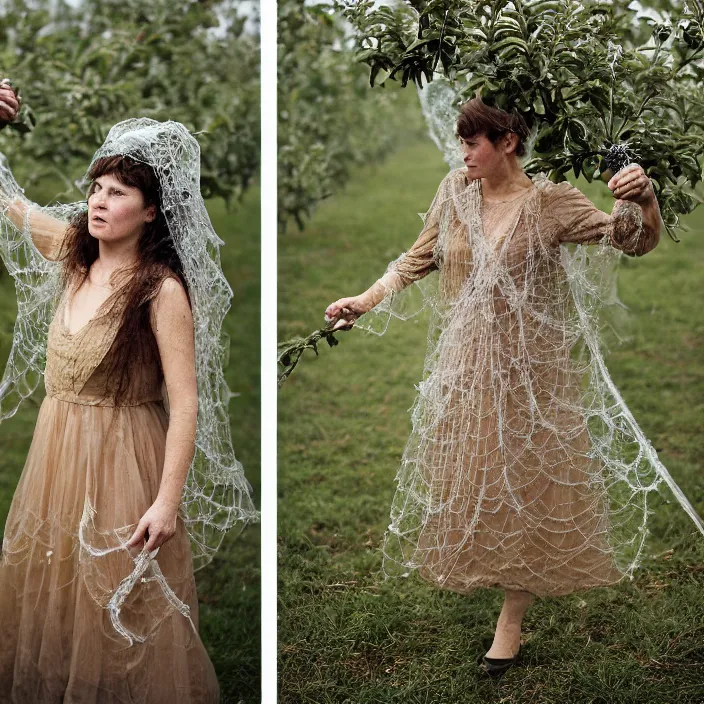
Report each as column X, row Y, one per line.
column 591, row 77
column 329, row 119
column 83, row 67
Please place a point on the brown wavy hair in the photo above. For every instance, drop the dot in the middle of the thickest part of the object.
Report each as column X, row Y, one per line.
column 476, row 117
column 157, row 259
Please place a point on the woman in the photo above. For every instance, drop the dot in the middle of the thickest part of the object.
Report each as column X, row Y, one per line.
column 513, row 477
column 97, row 595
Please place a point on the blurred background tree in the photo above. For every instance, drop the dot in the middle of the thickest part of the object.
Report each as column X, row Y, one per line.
column 328, row 118
column 85, row 65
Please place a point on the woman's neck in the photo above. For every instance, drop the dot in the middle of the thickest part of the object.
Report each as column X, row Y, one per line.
column 505, row 181
column 113, row 256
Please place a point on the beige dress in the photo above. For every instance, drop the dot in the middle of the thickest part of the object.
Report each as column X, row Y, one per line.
column 500, row 484
column 92, row 471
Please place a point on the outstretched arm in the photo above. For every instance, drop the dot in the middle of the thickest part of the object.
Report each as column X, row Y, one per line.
column 411, row 266
column 416, row 263
column 172, row 323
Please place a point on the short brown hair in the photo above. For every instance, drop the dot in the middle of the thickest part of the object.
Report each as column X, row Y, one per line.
column 478, row 118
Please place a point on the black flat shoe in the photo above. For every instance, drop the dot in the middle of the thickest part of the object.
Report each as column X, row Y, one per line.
column 495, row 667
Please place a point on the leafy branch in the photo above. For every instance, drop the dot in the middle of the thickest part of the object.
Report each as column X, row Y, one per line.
column 589, row 77
column 289, row 352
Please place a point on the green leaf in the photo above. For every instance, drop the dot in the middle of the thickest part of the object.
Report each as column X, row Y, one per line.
column 513, row 42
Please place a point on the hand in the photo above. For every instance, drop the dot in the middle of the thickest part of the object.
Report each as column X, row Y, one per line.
column 631, row 183
column 345, row 311
column 156, row 526
column 9, row 102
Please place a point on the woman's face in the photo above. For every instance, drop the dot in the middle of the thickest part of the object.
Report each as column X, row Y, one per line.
column 116, row 212
column 482, row 156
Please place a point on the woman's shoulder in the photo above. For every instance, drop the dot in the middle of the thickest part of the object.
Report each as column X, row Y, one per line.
column 458, row 175
column 170, row 300
column 554, row 194
column 165, row 284
column 455, row 181
column 169, row 284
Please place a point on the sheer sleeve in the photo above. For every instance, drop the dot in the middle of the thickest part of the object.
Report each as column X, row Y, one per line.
column 574, row 218
column 419, row 260
column 47, row 232
column 392, row 294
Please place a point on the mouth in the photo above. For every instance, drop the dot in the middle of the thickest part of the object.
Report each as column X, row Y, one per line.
column 97, row 219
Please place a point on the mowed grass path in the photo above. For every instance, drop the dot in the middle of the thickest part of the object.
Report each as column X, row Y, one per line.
column 348, row 636
column 228, row 588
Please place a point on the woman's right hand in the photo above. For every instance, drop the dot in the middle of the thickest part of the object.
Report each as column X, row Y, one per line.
column 9, row 102
column 345, row 311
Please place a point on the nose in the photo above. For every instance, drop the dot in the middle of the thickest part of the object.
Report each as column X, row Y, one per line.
column 97, row 200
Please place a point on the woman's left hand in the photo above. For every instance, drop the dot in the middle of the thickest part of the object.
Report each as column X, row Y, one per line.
column 156, row 526
column 631, row 183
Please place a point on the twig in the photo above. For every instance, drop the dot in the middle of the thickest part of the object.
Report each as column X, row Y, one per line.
column 290, row 351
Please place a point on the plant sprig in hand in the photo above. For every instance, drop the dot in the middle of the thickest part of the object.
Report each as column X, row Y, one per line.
column 290, row 351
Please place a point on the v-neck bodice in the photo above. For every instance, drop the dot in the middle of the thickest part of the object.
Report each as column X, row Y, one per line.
column 65, row 318
column 78, row 364
column 499, row 218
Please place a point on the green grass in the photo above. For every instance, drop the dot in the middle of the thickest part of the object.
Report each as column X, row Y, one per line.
column 348, row 636
column 228, row 588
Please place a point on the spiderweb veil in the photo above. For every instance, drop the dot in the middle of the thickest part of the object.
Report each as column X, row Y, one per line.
column 216, row 496
column 525, row 468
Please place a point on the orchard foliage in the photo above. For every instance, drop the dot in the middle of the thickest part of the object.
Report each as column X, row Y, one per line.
column 586, row 75
column 329, row 120
column 83, row 68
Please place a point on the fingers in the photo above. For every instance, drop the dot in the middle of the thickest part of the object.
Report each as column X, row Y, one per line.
column 7, row 114
column 337, row 310
column 154, row 541
column 344, row 320
column 157, row 537
column 9, row 102
column 629, row 173
column 7, row 109
column 631, row 193
column 9, row 99
column 333, row 310
column 343, row 324
column 138, row 535
column 629, row 184
column 635, row 189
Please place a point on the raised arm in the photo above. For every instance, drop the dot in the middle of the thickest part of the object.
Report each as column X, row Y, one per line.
column 47, row 232
column 633, row 226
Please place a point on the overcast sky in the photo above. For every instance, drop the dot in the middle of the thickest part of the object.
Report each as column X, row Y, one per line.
column 245, row 7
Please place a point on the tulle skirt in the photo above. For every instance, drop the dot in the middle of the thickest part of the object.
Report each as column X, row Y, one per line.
column 501, row 490
column 91, row 473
